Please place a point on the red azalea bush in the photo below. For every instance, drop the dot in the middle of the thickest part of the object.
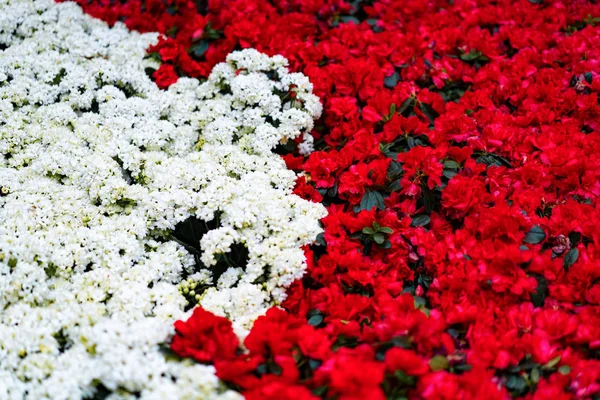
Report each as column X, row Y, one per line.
column 459, row 158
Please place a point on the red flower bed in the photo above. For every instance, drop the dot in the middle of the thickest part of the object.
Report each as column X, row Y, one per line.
column 459, row 157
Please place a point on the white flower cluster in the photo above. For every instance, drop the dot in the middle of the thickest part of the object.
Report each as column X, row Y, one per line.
column 97, row 168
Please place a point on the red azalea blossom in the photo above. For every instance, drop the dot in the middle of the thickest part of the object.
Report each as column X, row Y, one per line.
column 204, row 337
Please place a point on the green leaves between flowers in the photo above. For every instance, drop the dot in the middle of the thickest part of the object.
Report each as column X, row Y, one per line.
column 453, row 91
column 405, row 105
column 429, row 112
column 475, row 58
column 189, row 232
column 377, row 234
column 420, row 220
column 552, row 363
column 391, row 81
column 403, row 144
column 517, row 385
column 564, row 369
column 269, row 367
column 570, row 258
column 198, row 49
column 524, row 377
column 539, row 296
column 491, row 159
column 397, row 385
column 535, row 235
column 369, row 200
column 431, row 197
column 438, row 363
column 394, row 173
column 471, row 56
column 391, row 113
column 315, row 318
column 451, row 164
column 451, row 168
column 211, row 33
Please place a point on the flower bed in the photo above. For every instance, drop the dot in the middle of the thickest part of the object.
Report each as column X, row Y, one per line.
column 457, row 157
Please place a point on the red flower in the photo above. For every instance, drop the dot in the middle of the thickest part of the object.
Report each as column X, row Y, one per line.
column 321, row 167
column 352, row 374
column 408, row 361
column 306, row 191
column 205, row 337
column 279, row 390
column 165, row 76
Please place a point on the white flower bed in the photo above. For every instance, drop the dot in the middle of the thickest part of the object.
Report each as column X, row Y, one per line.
column 97, row 165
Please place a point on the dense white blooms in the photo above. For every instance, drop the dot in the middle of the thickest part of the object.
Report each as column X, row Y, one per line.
column 97, row 166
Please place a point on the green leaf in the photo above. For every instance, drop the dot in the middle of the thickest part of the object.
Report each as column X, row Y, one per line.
column 378, row 238
column 149, row 71
column 385, row 229
column 368, row 231
column 438, row 363
column 575, row 238
column 535, row 235
column 198, row 49
column 385, row 150
column 320, row 391
column 471, row 56
column 404, row 106
column 449, row 173
column 429, row 112
column 394, row 186
column 349, row 18
column 315, row 317
column 315, row 320
column 314, row 364
column 59, row 77
column 463, row 367
column 539, row 296
column 420, row 302
column 516, row 383
column 391, row 81
column 570, row 258
column 564, row 369
column 535, row 375
column 490, row 159
column 275, row 369
column 420, row 220
column 321, row 239
column 451, row 164
column 429, row 198
column 210, row 32
column 501, row 160
column 552, row 363
column 372, row 199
